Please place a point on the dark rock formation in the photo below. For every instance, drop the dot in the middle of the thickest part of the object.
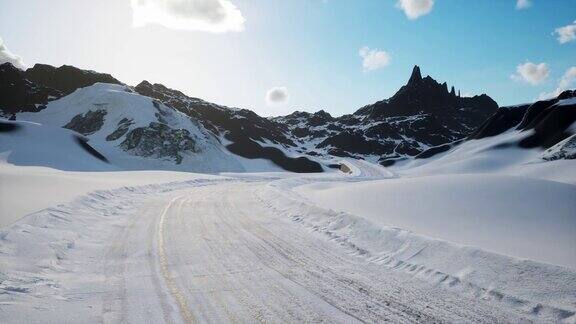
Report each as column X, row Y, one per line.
column 18, row 94
column 549, row 121
column 546, row 123
column 66, row 78
column 123, row 127
column 242, row 127
column 32, row 89
column 159, row 141
column 87, row 123
column 422, row 114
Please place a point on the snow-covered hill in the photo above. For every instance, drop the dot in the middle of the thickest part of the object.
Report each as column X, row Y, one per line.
column 33, row 144
column 135, row 132
column 535, row 140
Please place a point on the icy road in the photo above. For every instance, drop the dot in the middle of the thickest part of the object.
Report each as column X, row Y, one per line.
column 217, row 250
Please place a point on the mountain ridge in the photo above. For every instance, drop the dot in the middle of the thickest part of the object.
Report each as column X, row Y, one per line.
column 421, row 119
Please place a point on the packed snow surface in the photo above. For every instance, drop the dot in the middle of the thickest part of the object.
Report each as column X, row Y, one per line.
column 25, row 190
column 494, row 212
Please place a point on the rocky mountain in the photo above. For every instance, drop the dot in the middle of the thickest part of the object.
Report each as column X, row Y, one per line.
column 152, row 126
column 242, row 131
column 31, row 90
column 422, row 114
column 543, row 131
column 135, row 132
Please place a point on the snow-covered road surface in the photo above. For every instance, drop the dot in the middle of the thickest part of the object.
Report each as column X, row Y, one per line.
column 218, row 250
column 226, row 258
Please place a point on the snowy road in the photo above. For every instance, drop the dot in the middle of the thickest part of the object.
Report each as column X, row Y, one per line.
column 210, row 251
column 215, row 254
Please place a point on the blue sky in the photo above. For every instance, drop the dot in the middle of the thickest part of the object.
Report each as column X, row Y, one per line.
column 309, row 48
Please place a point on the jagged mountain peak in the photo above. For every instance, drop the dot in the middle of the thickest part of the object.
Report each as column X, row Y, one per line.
column 416, row 76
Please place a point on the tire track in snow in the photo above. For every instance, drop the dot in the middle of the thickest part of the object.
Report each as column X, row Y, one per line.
column 164, row 268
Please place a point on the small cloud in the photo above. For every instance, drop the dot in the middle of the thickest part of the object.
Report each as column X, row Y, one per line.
column 277, row 96
column 415, row 8
column 7, row 57
column 567, row 81
column 531, row 73
column 373, row 59
column 567, row 33
column 523, row 4
column 215, row 16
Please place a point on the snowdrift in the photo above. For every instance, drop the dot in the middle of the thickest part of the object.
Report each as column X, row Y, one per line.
column 540, row 289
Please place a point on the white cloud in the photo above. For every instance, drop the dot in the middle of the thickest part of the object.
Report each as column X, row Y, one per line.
column 277, row 96
column 523, row 4
column 216, row 16
column 567, row 81
column 566, row 33
column 7, row 57
column 531, row 73
column 373, row 59
column 415, row 8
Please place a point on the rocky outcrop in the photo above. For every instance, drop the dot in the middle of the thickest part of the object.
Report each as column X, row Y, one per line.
column 244, row 129
column 546, row 124
column 564, row 150
column 20, row 94
column 31, row 90
column 87, row 123
column 66, row 78
column 159, row 141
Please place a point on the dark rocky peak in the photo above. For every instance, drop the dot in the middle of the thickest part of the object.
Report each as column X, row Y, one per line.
column 323, row 114
column 17, row 93
column 320, row 118
column 66, row 78
column 8, row 70
column 297, row 114
column 452, row 91
column 416, row 76
column 158, row 88
column 567, row 94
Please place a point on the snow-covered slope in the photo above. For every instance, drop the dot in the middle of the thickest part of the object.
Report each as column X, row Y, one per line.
column 135, row 132
column 33, row 144
column 493, row 212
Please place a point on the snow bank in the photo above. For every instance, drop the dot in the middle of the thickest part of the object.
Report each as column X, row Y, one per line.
column 540, row 289
column 492, row 155
column 51, row 260
column 24, row 190
column 521, row 217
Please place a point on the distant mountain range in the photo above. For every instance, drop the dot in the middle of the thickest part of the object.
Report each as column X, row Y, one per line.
column 152, row 126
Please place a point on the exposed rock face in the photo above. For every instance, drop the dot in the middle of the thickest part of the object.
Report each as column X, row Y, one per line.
column 565, row 150
column 66, row 78
column 20, row 94
column 245, row 130
column 422, row 114
column 159, row 141
column 548, row 124
column 87, row 123
column 32, row 89
column 123, row 127
column 550, row 121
